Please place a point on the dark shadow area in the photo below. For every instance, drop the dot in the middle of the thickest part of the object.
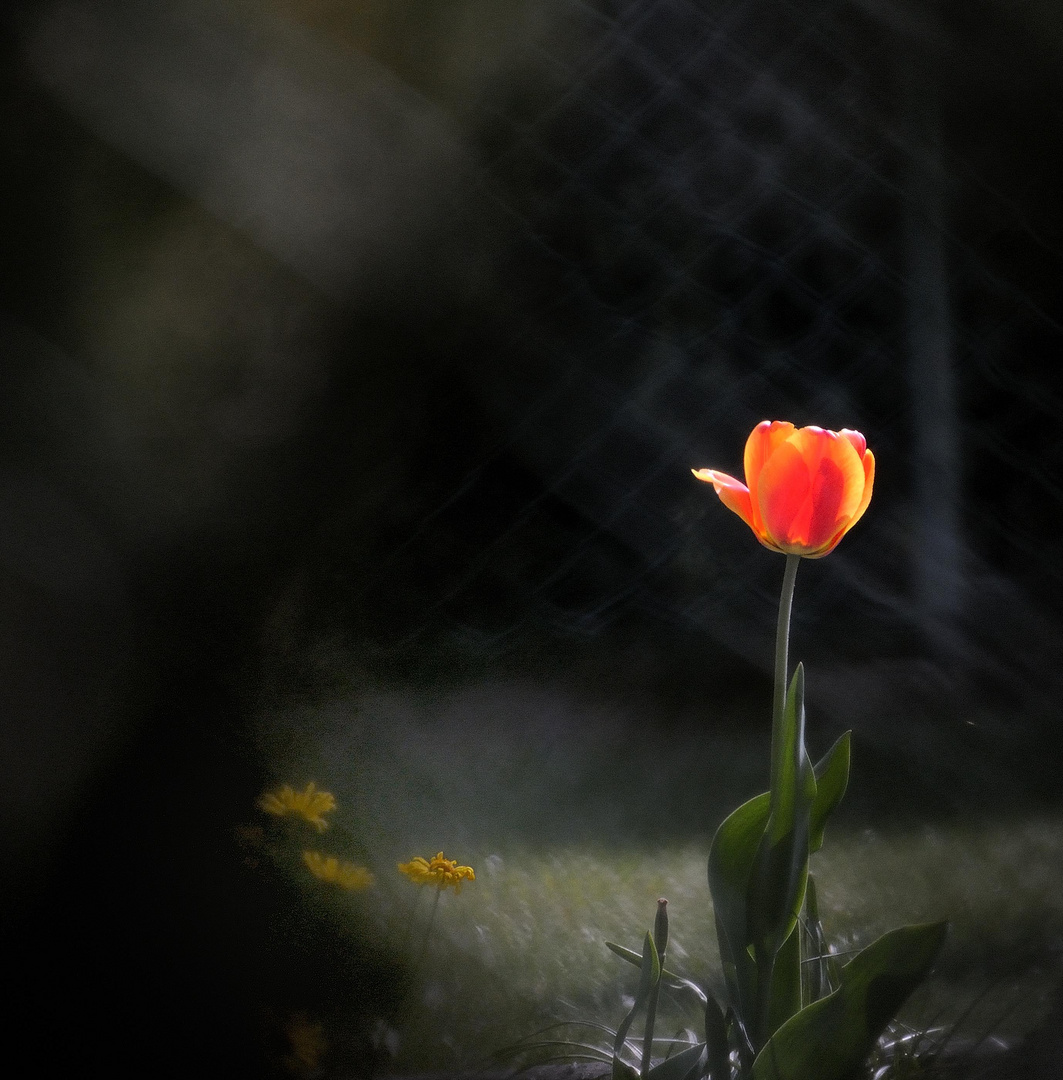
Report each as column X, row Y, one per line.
column 354, row 361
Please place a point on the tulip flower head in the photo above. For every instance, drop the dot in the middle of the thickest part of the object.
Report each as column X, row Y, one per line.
column 805, row 487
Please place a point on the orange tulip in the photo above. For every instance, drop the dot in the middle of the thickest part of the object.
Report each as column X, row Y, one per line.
column 805, row 487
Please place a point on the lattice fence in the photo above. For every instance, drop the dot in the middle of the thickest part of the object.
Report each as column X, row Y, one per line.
column 730, row 210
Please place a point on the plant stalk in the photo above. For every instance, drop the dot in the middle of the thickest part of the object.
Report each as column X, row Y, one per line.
column 428, row 930
column 782, row 652
column 766, row 963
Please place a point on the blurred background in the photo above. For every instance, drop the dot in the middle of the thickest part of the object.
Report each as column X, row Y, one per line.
column 355, row 356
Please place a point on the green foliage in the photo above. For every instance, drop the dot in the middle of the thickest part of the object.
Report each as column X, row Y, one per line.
column 649, row 980
column 780, row 869
column 793, row 1014
column 716, row 1044
column 831, row 1038
column 832, row 778
column 676, row 982
column 731, row 856
column 686, row 1065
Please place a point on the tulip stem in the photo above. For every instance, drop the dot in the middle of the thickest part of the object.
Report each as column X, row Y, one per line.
column 782, row 674
column 765, row 961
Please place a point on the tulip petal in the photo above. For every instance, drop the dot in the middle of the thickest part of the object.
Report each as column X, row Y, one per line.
column 810, row 489
column 783, row 493
column 858, row 441
column 839, row 475
column 869, row 483
column 733, row 493
column 763, row 441
column 868, row 463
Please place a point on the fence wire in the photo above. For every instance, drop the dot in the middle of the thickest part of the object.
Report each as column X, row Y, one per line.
column 725, row 211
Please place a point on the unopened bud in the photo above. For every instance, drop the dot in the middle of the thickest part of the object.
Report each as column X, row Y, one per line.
column 660, row 928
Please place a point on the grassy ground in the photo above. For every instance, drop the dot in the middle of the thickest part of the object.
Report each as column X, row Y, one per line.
column 577, row 812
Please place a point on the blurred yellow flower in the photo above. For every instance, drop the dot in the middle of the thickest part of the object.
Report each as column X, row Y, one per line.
column 329, row 868
column 309, row 804
column 308, row 1044
column 438, row 871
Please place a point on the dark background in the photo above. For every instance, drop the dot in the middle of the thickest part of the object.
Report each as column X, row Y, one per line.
column 402, row 325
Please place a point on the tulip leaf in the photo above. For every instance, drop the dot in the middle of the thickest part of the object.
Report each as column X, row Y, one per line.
column 718, row 1052
column 820, row 976
column 731, row 857
column 746, row 1053
column 832, row 778
column 777, row 884
column 687, row 1063
column 831, row 1038
column 786, row 981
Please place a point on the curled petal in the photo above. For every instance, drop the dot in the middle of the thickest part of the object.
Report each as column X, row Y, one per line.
column 733, row 493
column 869, row 482
column 858, row 441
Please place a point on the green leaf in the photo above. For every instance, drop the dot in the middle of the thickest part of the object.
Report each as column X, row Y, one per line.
column 649, row 976
column 777, row 884
column 660, row 943
column 731, row 857
column 821, row 970
column 717, row 1050
column 687, row 1063
column 786, row 981
column 831, row 1038
column 832, row 778
column 676, row 982
column 746, row 1053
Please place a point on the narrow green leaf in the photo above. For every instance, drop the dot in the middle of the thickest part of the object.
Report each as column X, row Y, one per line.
column 676, row 982
column 777, row 885
column 786, row 981
column 786, row 796
column 717, row 1051
column 831, row 1038
column 832, row 778
column 687, row 1063
column 746, row 1053
column 649, row 975
column 660, row 943
column 817, row 969
column 780, row 870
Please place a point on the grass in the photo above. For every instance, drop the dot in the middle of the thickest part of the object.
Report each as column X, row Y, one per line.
column 577, row 817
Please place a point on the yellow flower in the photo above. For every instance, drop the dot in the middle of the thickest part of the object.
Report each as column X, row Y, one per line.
column 308, row 1044
column 329, row 868
column 309, row 804
column 438, row 871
